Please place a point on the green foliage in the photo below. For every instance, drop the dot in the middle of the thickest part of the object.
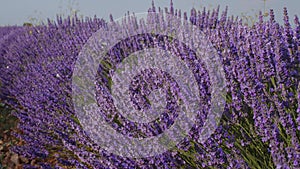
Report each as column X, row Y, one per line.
column 7, row 121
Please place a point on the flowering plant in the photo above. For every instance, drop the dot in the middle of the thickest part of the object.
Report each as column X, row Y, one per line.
column 260, row 123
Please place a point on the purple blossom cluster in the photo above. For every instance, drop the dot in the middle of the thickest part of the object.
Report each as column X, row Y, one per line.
column 262, row 112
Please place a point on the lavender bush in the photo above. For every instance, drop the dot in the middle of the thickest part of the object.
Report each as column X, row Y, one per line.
column 260, row 124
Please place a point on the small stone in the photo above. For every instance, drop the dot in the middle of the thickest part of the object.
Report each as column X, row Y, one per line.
column 15, row 159
column 5, row 137
column 32, row 162
column 24, row 160
column 19, row 166
column 7, row 154
column 1, row 142
column 1, row 148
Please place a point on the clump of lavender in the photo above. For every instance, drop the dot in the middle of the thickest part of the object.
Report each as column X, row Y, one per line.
column 261, row 122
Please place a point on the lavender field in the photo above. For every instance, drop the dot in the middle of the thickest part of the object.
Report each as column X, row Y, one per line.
column 260, row 123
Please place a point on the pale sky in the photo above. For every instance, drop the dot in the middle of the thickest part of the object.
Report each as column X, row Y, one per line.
column 16, row 12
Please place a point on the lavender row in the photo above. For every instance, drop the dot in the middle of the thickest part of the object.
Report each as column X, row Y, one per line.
column 262, row 69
